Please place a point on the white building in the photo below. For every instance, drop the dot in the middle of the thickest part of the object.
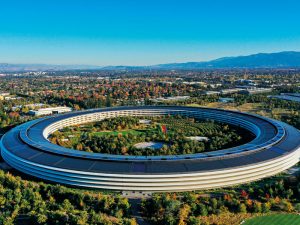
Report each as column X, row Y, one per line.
column 256, row 91
column 198, row 138
column 49, row 111
column 226, row 100
column 231, row 91
column 3, row 95
column 144, row 121
column 212, row 92
column 175, row 98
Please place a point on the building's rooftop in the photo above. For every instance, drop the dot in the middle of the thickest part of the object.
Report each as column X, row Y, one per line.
column 39, row 149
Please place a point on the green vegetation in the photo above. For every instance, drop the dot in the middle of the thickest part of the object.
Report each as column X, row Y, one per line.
column 286, row 111
column 280, row 219
column 119, row 135
column 289, row 112
column 8, row 120
column 39, row 203
column 270, row 195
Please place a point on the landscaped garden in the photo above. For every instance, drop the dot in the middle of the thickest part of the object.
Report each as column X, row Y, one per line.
column 165, row 135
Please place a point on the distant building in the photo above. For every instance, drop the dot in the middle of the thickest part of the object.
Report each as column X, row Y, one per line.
column 3, row 95
column 49, row 111
column 247, row 82
column 291, row 94
column 231, row 91
column 201, row 83
column 212, row 93
column 35, row 105
column 215, row 85
column 295, row 97
column 144, row 121
column 256, row 91
column 226, row 100
column 198, row 138
column 12, row 97
column 176, row 98
column 30, row 106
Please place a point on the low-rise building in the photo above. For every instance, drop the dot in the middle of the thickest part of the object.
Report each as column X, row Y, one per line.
column 231, row 91
column 176, row 98
column 50, row 111
column 295, row 97
column 144, row 121
column 212, row 92
column 3, row 95
column 198, row 138
column 256, row 91
column 11, row 97
column 226, row 100
column 215, row 85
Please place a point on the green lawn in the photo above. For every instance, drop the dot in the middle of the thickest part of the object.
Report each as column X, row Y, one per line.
column 278, row 219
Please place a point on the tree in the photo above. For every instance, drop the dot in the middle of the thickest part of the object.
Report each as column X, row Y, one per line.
column 242, row 208
column 108, row 100
column 265, row 208
column 194, row 220
column 257, row 208
column 202, row 210
column 286, row 206
column 297, row 207
column 214, row 203
column 244, row 194
column 183, row 214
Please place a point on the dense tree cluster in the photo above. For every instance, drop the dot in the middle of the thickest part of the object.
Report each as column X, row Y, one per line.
column 269, row 104
column 39, row 203
column 193, row 208
column 292, row 119
column 9, row 118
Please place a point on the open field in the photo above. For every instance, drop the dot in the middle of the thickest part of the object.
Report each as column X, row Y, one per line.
column 279, row 219
column 257, row 108
column 247, row 107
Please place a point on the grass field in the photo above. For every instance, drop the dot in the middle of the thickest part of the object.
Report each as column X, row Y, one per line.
column 247, row 107
column 256, row 108
column 279, row 219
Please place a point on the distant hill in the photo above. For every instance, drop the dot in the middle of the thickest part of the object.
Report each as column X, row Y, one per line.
column 261, row 60
column 288, row 59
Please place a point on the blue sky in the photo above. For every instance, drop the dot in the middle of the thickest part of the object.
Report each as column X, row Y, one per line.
column 132, row 32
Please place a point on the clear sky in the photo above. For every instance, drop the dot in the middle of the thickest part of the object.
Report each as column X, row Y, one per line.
column 140, row 32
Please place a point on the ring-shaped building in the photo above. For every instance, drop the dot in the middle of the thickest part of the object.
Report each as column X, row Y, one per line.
column 275, row 148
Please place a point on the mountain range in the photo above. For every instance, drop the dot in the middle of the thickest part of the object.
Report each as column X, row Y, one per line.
column 287, row 59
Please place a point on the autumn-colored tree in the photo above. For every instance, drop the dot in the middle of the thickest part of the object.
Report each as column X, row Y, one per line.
column 183, row 214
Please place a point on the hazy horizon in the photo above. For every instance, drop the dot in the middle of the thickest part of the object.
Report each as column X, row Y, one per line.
column 59, row 64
